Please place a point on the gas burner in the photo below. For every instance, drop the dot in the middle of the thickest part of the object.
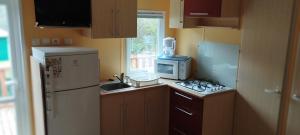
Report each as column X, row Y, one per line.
column 203, row 86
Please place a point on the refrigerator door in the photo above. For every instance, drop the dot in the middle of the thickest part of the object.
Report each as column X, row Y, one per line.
column 38, row 97
column 74, row 112
column 71, row 72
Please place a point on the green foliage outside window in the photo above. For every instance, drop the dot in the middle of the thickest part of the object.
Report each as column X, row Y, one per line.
column 147, row 37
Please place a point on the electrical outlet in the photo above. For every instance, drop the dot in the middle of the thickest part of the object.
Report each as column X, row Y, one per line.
column 68, row 41
column 46, row 41
column 55, row 41
column 36, row 42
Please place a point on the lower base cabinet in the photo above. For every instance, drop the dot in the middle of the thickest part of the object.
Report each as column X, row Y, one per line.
column 191, row 115
column 111, row 119
column 141, row 112
column 133, row 113
column 157, row 111
column 186, row 113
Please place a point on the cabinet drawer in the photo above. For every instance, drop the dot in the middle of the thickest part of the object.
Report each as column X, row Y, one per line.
column 186, row 101
column 186, row 122
column 185, row 114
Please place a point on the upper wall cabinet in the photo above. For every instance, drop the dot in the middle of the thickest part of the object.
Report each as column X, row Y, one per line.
column 113, row 19
column 195, row 13
column 206, row 8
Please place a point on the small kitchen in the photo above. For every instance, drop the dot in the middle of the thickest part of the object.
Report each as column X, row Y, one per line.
column 161, row 67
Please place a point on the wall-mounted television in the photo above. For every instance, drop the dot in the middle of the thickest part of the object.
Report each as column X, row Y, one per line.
column 63, row 13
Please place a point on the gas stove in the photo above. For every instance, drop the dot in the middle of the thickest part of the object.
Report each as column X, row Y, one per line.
column 203, row 86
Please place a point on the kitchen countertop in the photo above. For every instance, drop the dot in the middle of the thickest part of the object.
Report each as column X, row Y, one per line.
column 162, row 82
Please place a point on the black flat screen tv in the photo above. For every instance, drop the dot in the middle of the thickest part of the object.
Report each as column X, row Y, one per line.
column 63, row 13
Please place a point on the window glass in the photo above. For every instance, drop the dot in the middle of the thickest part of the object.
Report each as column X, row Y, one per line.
column 143, row 50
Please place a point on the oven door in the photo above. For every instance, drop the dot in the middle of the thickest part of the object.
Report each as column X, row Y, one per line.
column 167, row 69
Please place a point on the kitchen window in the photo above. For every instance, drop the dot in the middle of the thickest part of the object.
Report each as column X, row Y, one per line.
column 141, row 52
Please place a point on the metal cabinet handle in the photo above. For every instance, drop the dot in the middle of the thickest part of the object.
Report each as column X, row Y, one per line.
column 125, row 115
column 181, row 95
column 296, row 97
column 199, row 14
column 184, row 111
column 276, row 91
column 117, row 29
column 122, row 115
column 113, row 22
column 146, row 113
column 179, row 131
column 50, row 88
column 181, row 10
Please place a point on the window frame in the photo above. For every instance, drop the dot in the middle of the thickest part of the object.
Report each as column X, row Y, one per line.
column 146, row 14
column 19, row 57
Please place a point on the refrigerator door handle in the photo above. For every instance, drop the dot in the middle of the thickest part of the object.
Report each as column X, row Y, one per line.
column 50, row 88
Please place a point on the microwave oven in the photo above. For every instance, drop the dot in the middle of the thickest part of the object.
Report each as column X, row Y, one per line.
column 175, row 67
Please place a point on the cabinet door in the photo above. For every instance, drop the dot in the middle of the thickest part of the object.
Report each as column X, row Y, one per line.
column 207, row 8
column 112, row 115
column 176, row 13
column 126, row 18
column 186, row 113
column 134, row 117
column 103, row 18
column 262, row 65
column 156, row 107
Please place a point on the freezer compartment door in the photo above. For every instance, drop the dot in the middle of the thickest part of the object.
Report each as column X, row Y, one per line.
column 74, row 112
column 71, row 72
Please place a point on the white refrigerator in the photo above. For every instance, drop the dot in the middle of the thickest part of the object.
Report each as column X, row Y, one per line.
column 65, row 90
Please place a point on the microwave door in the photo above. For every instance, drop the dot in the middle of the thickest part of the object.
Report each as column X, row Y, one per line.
column 167, row 69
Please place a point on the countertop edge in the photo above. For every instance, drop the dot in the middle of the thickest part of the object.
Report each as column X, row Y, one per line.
column 162, row 82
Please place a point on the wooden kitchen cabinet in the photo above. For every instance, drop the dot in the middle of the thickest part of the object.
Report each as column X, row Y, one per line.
column 195, row 13
column 192, row 115
column 185, row 114
column 136, row 112
column 157, row 111
column 122, row 114
column 113, row 19
column 111, row 116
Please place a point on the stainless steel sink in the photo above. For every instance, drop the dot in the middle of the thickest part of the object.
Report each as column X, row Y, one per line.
column 114, row 86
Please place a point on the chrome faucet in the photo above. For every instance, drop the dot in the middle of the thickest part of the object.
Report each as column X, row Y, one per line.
column 121, row 78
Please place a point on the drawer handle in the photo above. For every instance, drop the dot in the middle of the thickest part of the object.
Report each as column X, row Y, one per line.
column 184, row 111
column 179, row 131
column 186, row 97
column 199, row 14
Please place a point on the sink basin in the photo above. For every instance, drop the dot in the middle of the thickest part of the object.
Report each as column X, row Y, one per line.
column 114, row 86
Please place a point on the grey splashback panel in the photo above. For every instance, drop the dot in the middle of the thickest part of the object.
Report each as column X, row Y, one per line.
column 218, row 62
